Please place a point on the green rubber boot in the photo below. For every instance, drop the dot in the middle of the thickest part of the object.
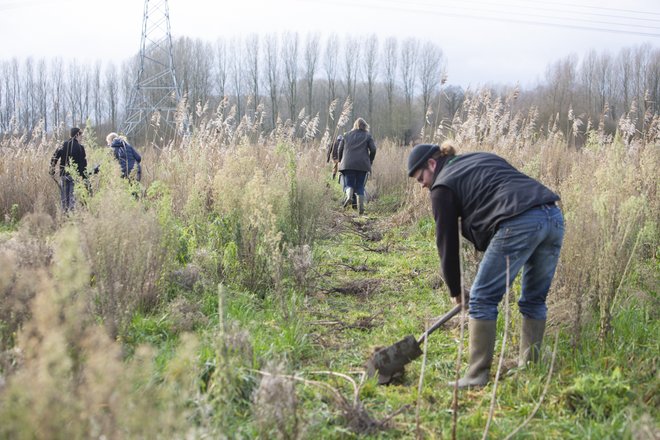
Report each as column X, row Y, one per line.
column 531, row 337
column 360, row 204
column 349, row 196
column 482, row 346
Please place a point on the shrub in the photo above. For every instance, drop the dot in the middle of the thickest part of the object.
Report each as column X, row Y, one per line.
column 598, row 396
column 72, row 381
column 129, row 252
column 23, row 257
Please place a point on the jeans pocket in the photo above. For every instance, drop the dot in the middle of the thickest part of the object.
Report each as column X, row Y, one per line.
column 558, row 221
column 515, row 237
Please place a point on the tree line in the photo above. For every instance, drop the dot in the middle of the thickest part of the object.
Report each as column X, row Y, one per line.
column 400, row 87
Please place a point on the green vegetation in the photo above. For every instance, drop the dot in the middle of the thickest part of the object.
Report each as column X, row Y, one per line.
column 234, row 299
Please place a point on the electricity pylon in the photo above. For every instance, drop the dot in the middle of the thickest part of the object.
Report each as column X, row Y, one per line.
column 155, row 94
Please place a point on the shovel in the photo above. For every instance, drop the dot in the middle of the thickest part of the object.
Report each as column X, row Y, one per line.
column 389, row 362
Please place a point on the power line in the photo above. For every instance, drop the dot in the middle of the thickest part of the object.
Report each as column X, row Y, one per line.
column 380, row 5
column 536, row 8
column 599, row 7
column 545, row 16
column 15, row 4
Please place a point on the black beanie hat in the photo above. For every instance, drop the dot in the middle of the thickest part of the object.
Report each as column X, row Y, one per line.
column 419, row 155
column 74, row 131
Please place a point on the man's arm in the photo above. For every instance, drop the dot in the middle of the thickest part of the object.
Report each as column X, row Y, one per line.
column 54, row 159
column 445, row 212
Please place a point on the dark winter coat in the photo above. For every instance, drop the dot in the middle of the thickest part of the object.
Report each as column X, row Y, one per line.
column 357, row 151
column 70, row 151
column 127, row 157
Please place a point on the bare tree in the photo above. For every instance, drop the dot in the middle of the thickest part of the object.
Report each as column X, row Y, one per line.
column 641, row 62
column 26, row 108
column 290, row 58
column 370, row 60
column 588, row 77
column 330, row 66
column 653, row 78
column 236, row 56
column 351, row 63
column 86, row 92
column 221, row 67
column 252, row 66
column 560, row 78
column 409, row 50
column 41, row 91
column 97, row 103
column 604, row 88
column 312, row 48
column 7, row 98
column 194, row 62
column 624, row 69
column 14, row 96
column 57, row 84
column 73, row 97
column 430, row 73
column 272, row 73
column 454, row 97
column 111, row 92
column 390, row 60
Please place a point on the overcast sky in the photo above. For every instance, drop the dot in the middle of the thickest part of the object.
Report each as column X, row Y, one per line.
column 483, row 41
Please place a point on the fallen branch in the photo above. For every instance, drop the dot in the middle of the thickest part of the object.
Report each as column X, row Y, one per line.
column 418, row 433
column 545, row 390
column 360, row 268
column 459, row 355
column 359, row 420
column 379, row 250
column 507, row 314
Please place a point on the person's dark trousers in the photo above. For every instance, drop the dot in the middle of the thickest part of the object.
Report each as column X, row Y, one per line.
column 66, row 193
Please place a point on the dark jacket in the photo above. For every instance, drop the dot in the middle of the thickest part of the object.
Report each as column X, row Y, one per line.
column 127, row 157
column 70, row 151
column 357, row 151
column 483, row 190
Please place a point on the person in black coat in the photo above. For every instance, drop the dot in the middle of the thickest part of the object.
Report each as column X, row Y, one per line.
column 72, row 159
column 333, row 152
column 509, row 216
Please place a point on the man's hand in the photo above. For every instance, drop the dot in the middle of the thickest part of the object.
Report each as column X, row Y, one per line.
column 459, row 299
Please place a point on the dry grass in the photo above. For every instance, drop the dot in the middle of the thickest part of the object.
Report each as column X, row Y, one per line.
column 72, row 381
column 238, row 205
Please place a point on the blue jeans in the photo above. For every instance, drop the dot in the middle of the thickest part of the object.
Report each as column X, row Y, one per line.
column 355, row 180
column 531, row 241
column 66, row 193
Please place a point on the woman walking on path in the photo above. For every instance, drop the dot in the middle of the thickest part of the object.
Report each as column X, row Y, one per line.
column 356, row 155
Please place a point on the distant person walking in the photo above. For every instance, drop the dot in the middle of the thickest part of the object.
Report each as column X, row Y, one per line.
column 333, row 153
column 127, row 157
column 356, row 155
column 72, row 159
column 510, row 216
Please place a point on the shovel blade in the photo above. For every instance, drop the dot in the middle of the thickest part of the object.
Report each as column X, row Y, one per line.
column 390, row 361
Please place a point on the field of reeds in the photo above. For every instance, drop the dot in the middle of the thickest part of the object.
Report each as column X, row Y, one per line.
column 233, row 298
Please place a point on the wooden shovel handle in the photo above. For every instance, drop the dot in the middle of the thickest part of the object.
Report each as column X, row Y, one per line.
column 444, row 318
